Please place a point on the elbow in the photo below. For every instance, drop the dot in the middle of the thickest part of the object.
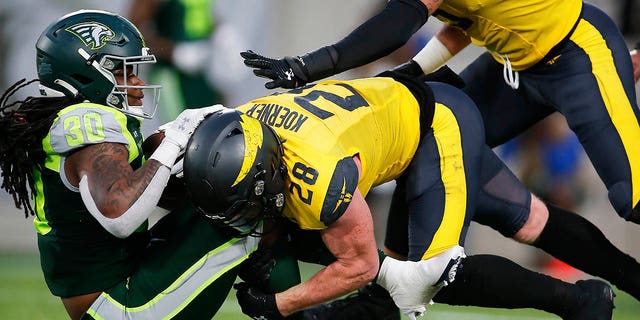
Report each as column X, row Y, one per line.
column 117, row 229
column 120, row 233
column 109, row 210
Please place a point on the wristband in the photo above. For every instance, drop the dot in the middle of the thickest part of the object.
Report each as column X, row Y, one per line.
column 320, row 63
column 432, row 56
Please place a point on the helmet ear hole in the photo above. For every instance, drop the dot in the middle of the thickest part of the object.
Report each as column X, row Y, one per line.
column 235, row 131
column 81, row 79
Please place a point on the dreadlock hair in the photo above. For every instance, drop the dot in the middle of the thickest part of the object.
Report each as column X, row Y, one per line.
column 23, row 125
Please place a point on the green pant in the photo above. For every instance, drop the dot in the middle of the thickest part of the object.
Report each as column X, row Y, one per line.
column 186, row 272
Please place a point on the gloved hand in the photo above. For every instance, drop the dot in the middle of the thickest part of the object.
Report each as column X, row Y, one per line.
column 191, row 56
column 180, row 130
column 177, row 134
column 256, row 270
column 257, row 304
column 410, row 68
column 288, row 72
column 178, row 168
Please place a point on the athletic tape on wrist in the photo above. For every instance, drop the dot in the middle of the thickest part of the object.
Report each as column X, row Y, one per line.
column 166, row 153
column 433, row 55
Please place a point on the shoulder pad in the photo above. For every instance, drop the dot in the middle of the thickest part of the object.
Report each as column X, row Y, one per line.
column 84, row 124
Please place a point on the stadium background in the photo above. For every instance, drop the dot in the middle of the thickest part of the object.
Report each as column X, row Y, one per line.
column 274, row 28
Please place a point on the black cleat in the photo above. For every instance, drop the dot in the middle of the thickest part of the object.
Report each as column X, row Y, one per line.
column 371, row 302
column 597, row 302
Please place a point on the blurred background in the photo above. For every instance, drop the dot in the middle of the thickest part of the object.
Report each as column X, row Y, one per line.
column 547, row 158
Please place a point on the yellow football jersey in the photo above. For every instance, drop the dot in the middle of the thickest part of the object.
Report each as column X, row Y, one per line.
column 523, row 31
column 323, row 126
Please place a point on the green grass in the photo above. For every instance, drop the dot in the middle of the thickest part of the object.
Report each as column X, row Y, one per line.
column 24, row 295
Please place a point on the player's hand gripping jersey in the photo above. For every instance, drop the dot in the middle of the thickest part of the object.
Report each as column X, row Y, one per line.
column 323, row 126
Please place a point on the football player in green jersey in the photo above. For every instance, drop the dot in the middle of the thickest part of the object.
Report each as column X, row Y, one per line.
column 73, row 158
column 312, row 154
column 542, row 57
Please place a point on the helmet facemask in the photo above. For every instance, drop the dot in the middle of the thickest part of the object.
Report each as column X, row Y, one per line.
column 117, row 98
column 246, row 215
column 265, row 200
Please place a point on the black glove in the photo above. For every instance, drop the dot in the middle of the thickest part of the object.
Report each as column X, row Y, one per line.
column 410, row 68
column 288, row 72
column 257, row 304
column 256, row 270
column 413, row 69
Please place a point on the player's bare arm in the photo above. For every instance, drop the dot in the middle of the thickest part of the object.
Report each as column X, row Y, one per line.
column 432, row 5
column 351, row 240
column 453, row 39
column 635, row 60
column 115, row 192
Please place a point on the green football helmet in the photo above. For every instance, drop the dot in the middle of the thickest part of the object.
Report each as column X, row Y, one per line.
column 77, row 54
column 234, row 171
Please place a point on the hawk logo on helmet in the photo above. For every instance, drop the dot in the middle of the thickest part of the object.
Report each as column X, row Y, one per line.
column 92, row 34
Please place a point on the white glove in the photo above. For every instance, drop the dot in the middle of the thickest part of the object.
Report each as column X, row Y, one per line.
column 406, row 285
column 178, row 168
column 412, row 285
column 192, row 56
column 178, row 132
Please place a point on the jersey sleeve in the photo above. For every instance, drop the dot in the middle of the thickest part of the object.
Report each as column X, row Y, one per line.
column 340, row 191
column 86, row 124
column 318, row 196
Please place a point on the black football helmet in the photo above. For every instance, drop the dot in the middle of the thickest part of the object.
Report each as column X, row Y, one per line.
column 77, row 54
column 234, row 172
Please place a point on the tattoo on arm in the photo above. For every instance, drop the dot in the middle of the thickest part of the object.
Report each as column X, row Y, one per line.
column 122, row 184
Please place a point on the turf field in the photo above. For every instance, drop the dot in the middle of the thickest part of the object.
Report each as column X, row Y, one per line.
column 23, row 295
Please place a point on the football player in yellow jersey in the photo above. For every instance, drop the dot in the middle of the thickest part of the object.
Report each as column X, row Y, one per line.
column 542, row 56
column 313, row 153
